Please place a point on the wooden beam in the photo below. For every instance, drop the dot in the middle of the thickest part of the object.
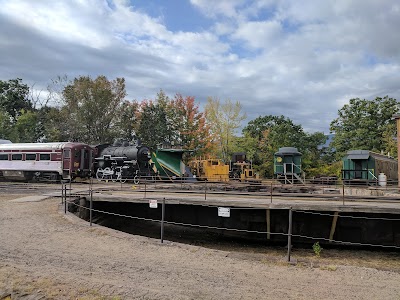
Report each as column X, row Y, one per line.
column 333, row 227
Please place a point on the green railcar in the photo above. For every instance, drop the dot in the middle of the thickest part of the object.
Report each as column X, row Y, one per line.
column 364, row 166
column 287, row 165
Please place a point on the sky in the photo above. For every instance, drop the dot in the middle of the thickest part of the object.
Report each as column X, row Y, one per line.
column 301, row 59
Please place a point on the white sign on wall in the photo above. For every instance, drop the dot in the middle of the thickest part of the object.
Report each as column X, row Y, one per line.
column 224, row 212
column 153, row 203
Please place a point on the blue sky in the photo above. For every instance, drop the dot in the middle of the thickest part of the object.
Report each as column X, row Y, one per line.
column 302, row 59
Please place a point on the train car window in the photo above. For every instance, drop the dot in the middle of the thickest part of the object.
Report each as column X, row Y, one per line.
column 77, row 152
column 67, row 153
column 16, row 157
column 3, row 156
column 30, row 156
column 44, row 156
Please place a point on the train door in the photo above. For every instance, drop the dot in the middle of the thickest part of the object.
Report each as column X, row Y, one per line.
column 67, row 163
column 86, row 156
column 358, row 169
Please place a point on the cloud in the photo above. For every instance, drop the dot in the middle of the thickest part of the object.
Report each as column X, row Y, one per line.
column 300, row 59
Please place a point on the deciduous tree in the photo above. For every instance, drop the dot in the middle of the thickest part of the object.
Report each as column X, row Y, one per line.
column 91, row 108
column 14, row 97
column 365, row 124
column 189, row 123
column 223, row 119
column 274, row 132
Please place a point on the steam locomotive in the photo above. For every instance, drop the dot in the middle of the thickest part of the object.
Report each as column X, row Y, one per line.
column 122, row 160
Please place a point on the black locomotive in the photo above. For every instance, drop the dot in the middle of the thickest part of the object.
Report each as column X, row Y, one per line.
column 122, row 161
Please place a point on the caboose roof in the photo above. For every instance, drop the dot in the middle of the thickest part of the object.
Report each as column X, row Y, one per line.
column 366, row 154
column 358, row 154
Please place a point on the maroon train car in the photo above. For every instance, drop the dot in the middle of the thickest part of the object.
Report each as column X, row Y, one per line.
column 49, row 161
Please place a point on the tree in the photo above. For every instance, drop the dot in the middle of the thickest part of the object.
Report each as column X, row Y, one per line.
column 91, row 108
column 365, row 124
column 223, row 119
column 6, row 126
column 49, row 120
column 26, row 129
column 274, row 132
column 152, row 129
column 127, row 121
column 14, row 97
column 189, row 123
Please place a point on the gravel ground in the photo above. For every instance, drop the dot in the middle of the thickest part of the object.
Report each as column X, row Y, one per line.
column 45, row 254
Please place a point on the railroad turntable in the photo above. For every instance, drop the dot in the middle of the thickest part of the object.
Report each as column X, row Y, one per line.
column 333, row 219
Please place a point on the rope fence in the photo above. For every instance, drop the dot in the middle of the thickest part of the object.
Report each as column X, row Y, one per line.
column 67, row 199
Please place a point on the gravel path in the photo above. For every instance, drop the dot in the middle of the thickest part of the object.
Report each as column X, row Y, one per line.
column 47, row 255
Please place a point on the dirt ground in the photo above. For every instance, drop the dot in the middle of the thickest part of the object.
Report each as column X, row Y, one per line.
column 45, row 254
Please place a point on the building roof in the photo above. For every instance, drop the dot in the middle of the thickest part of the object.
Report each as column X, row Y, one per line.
column 365, row 154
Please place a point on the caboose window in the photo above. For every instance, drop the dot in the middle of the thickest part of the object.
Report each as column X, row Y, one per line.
column 44, row 156
column 16, row 157
column 30, row 156
column 67, row 153
column 3, row 156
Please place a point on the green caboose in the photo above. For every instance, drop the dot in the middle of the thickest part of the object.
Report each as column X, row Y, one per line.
column 365, row 166
column 287, row 165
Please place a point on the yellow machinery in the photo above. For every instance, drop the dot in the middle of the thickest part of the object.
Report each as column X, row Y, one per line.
column 242, row 169
column 209, row 169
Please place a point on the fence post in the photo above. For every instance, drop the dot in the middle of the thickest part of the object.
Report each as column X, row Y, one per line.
column 65, row 192
column 162, row 220
column 62, row 193
column 70, row 189
column 65, row 202
column 271, row 191
column 205, row 189
column 290, row 234
column 91, row 203
column 343, row 191
column 145, row 187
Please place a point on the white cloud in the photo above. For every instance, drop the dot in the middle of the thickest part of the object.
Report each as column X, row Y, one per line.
column 303, row 59
column 221, row 7
column 259, row 34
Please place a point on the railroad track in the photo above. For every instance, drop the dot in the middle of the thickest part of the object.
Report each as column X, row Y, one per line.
column 191, row 188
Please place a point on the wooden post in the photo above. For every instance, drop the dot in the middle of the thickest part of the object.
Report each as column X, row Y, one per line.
column 333, row 227
column 290, row 234
column 343, row 192
column 271, row 191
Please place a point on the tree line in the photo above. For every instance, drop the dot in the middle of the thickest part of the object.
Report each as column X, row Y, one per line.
column 96, row 111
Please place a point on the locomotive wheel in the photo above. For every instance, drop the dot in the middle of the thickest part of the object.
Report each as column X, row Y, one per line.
column 115, row 177
column 99, row 174
column 107, row 175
